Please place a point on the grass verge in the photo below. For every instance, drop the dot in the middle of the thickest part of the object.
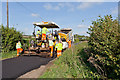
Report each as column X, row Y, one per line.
column 10, row 54
column 72, row 64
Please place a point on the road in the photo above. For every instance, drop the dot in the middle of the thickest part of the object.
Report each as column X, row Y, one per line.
column 15, row 67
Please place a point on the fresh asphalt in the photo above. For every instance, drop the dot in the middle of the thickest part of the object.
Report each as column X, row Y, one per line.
column 15, row 67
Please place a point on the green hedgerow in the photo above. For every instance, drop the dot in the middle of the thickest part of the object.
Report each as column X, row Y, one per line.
column 9, row 38
column 105, row 42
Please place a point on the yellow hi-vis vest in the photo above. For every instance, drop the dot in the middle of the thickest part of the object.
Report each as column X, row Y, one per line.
column 59, row 46
column 50, row 43
column 37, row 36
column 44, row 30
column 18, row 45
column 38, row 32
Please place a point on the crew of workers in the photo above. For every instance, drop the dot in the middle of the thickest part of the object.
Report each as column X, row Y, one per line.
column 55, row 42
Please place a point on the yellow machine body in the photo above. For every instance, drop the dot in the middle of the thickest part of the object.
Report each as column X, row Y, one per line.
column 63, row 35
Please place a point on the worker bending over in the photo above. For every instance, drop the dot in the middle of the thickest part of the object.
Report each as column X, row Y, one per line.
column 59, row 48
column 51, row 47
column 44, row 31
column 18, row 47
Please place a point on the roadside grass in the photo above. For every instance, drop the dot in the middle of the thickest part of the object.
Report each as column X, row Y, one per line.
column 10, row 54
column 72, row 64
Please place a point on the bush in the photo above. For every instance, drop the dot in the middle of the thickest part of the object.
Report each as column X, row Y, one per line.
column 9, row 38
column 105, row 43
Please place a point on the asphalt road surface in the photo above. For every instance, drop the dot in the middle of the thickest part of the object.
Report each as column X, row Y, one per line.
column 15, row 67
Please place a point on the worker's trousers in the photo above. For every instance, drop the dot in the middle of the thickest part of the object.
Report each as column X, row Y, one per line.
column 69, row 43
column 19, row 50
column 43, row 36
column 51, row 52
column 59, row 53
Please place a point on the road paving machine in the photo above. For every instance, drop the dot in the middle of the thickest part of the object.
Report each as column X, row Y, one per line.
column 36, row 47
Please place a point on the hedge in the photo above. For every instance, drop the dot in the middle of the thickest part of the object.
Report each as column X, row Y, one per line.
column 9, row 38
column 105, row 44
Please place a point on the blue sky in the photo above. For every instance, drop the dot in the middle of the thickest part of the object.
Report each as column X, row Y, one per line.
column 65, row 14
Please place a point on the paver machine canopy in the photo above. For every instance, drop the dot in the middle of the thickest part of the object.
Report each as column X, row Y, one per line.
column 48, row 25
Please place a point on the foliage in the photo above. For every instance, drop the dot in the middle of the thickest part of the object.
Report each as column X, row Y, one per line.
column 26, row 43
column 76, row 40
column 9, row 38
column 105, row 44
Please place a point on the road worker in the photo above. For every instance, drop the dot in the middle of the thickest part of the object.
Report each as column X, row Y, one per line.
column 38, row 32
column 18, row 47
column 44, row 31
column 54, row 45
column 55, row 38
column 56, row 34
column 38, row 36
column 51, row 47
column 69, row 43
column 50, row 36
column 59, row 48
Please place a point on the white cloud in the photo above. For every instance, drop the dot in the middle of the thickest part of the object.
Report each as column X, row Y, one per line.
column 84, row 5
column 51, row 7
column 34, row 15
column 82, row 26
column 70, row 6
column 59, row 6
column 114, row 10
column 47, row 6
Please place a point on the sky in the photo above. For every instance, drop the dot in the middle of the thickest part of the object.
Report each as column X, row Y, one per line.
column 75, row 15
